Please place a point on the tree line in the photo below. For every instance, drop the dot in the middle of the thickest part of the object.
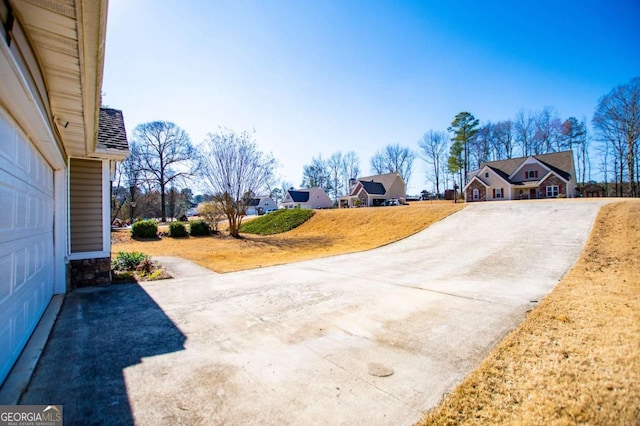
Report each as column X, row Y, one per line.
column 153, row 180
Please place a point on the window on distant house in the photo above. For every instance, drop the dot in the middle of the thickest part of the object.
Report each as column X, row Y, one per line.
column 486, row 174
column 499, row 193
column 552, row 191
column 531, row 174
column 476, row 194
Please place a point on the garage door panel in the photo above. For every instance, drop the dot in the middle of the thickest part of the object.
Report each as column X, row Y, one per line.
column 6, row 272
column 26, row 241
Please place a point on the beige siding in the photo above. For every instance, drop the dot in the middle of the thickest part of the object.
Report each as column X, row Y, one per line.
column 86, row 205
column 521, row 176
column 397, row 189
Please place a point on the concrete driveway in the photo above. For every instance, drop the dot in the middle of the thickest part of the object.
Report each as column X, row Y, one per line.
column 369, row 338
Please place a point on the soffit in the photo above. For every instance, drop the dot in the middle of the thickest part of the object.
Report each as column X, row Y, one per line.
column 67, row 37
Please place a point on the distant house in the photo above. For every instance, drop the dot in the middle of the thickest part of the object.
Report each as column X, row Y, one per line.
column 309, row 198
column 536, row 176
column 260, row 205
column 374, row 191
column 593, row 190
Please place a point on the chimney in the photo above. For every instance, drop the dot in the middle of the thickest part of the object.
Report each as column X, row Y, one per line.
column 352, row 184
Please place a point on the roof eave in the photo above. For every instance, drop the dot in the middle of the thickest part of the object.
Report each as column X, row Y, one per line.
column 109, row 154
column 92, row 23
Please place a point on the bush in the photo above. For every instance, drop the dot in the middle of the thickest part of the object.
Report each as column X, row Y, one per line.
column 129, row 261
column 144, row 229
column 277, row 222
column 177, row 229
column 199, row 227
column 212, row 213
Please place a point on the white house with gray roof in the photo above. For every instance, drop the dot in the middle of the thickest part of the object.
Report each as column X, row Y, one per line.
column 308, row 198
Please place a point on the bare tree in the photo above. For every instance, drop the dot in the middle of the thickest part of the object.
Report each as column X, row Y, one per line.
column 433, row 150
column 482, row 146
column 351, row 168
column 394, row 159
column 617, row 122
column 164, row 153
column 335, row 166
column 547, row 131
column 524, row 131
column 317, row 174
column 505, row 141
column 231, row 167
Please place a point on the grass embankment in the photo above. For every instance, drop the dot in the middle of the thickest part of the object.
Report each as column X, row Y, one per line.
column 327, row 233
column 277, row 222
column 576, row 357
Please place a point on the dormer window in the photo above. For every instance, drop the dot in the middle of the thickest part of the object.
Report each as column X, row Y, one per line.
column 531, row 174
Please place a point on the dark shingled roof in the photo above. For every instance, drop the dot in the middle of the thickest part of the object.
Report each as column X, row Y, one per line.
column 253, row 202
column 299, row 196
column 502, row 174
column 111, row 131
column 373, row 188
column 560, row 162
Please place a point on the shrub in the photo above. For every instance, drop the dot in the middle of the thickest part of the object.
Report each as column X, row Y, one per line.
column 129, row 261
column 177, row 229
column 212, row 213
column 199, row 227
column 277, row 222
column 144, row 229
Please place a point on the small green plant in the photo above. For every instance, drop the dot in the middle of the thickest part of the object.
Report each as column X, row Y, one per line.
column 177, row 229
column 128, row 261
column 144, row 229
column 277, row 222
column 199, row 227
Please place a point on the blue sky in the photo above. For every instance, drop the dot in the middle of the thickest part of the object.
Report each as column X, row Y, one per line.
column 313, row 77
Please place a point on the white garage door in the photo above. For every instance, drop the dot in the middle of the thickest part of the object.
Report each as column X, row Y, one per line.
column 26, row 241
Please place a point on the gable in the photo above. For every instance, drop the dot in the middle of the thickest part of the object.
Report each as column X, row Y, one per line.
column 561, row 163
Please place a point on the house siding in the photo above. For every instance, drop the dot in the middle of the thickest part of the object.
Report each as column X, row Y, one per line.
column 86, row 205
column 521, row 176
column 396, row 190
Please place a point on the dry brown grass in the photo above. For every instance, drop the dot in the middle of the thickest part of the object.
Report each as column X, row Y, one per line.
column 327, row 233
column 576, row 357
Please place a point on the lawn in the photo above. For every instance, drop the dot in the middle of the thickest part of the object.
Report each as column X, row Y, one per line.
column 576, row 357
column 327, row 233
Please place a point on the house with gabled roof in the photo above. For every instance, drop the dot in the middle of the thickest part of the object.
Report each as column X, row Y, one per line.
column 260, row 204
column 308, row 198
column 57, row 152
column 375, row 190
column 533, row 177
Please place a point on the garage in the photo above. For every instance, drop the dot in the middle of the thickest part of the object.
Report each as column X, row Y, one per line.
column 26, row 240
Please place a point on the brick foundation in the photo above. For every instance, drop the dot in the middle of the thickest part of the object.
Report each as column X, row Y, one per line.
column 88, row 272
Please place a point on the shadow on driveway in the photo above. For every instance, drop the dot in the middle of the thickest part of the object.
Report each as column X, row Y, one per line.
column 99, row 332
